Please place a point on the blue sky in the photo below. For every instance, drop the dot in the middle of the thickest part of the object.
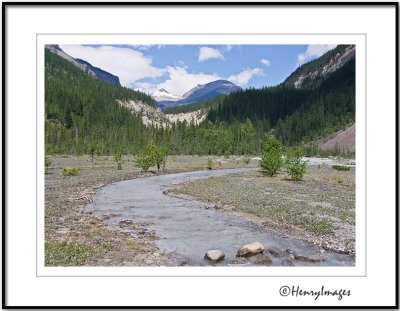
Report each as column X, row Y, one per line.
column 178, row 68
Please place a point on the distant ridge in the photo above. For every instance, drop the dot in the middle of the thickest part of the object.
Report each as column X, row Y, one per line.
column 197, row 94
column 85, row 66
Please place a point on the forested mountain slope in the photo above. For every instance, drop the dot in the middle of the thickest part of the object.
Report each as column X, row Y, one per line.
column 81, row 110
column 84, row 65
column 312, row 74
column 297, row 115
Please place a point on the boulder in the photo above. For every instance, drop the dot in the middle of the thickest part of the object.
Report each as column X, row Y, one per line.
column 250, row 249
column 214, row 255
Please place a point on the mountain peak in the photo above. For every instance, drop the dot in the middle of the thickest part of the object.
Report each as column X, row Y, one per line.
column 163, row 95
column 201, row 92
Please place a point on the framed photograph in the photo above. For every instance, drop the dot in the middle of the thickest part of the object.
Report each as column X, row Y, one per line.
column 200, row 155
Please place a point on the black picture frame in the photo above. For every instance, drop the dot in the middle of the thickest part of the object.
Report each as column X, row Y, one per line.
column 6, row 172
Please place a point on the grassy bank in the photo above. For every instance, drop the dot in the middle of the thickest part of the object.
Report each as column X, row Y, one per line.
column 320, row 209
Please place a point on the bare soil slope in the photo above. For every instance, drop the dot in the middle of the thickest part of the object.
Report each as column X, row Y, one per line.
column 344, row 140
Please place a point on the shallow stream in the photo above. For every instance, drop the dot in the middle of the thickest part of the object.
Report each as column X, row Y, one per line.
column 190, row 228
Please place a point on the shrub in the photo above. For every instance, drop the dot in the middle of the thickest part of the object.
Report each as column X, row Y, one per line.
column 118, row 156
column 143, row 161
column 70, row 171
column 341, row 167
column 271, row 158
column 118, row 160
column 246, row 159
column 159, row 155
column 294, row 164
column 152, row 155
column 47, row 164
column 93, row 150
column 210, row 164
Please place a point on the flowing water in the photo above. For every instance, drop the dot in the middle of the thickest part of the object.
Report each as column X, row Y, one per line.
column 189, row 228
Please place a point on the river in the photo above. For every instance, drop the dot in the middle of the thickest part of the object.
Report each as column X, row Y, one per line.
column 189, row 228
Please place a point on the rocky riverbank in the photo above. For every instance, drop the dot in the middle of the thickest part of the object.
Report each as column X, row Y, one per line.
column 320, row 209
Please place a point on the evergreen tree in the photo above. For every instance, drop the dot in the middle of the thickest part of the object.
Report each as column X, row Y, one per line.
column 271, row 160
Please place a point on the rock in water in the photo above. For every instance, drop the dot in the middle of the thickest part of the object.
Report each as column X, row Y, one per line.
column 291, row 252
column 276, row 252
column 250, row 249
column 214, row 255
column 261, row 259
column 307, row 259
column 287, row 263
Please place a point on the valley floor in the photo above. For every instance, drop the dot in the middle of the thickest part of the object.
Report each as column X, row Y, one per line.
column 76, row 238
column 320, row 209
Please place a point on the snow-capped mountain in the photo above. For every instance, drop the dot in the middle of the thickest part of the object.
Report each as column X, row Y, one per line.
column 163, row 95
column 197, row 94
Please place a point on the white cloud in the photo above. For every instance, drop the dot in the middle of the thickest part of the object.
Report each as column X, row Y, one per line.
column 144, row 47
column 228, row 47
column 313, row 51
column 209, row 53
column 129, row 65
column 144, row 87
column 180, row 80
column 245, row 76
column 265, row 62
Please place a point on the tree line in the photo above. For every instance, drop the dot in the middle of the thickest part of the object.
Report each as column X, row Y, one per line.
column 82, row 112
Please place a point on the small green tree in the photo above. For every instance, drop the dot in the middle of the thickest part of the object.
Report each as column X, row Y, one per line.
column 152, row 155
column 93, row 150
column 159, row 155
column 47, row 164
column 271, row 158
column 143, row 161
column 295, row 166
column 210, row 164
column 118, row 158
